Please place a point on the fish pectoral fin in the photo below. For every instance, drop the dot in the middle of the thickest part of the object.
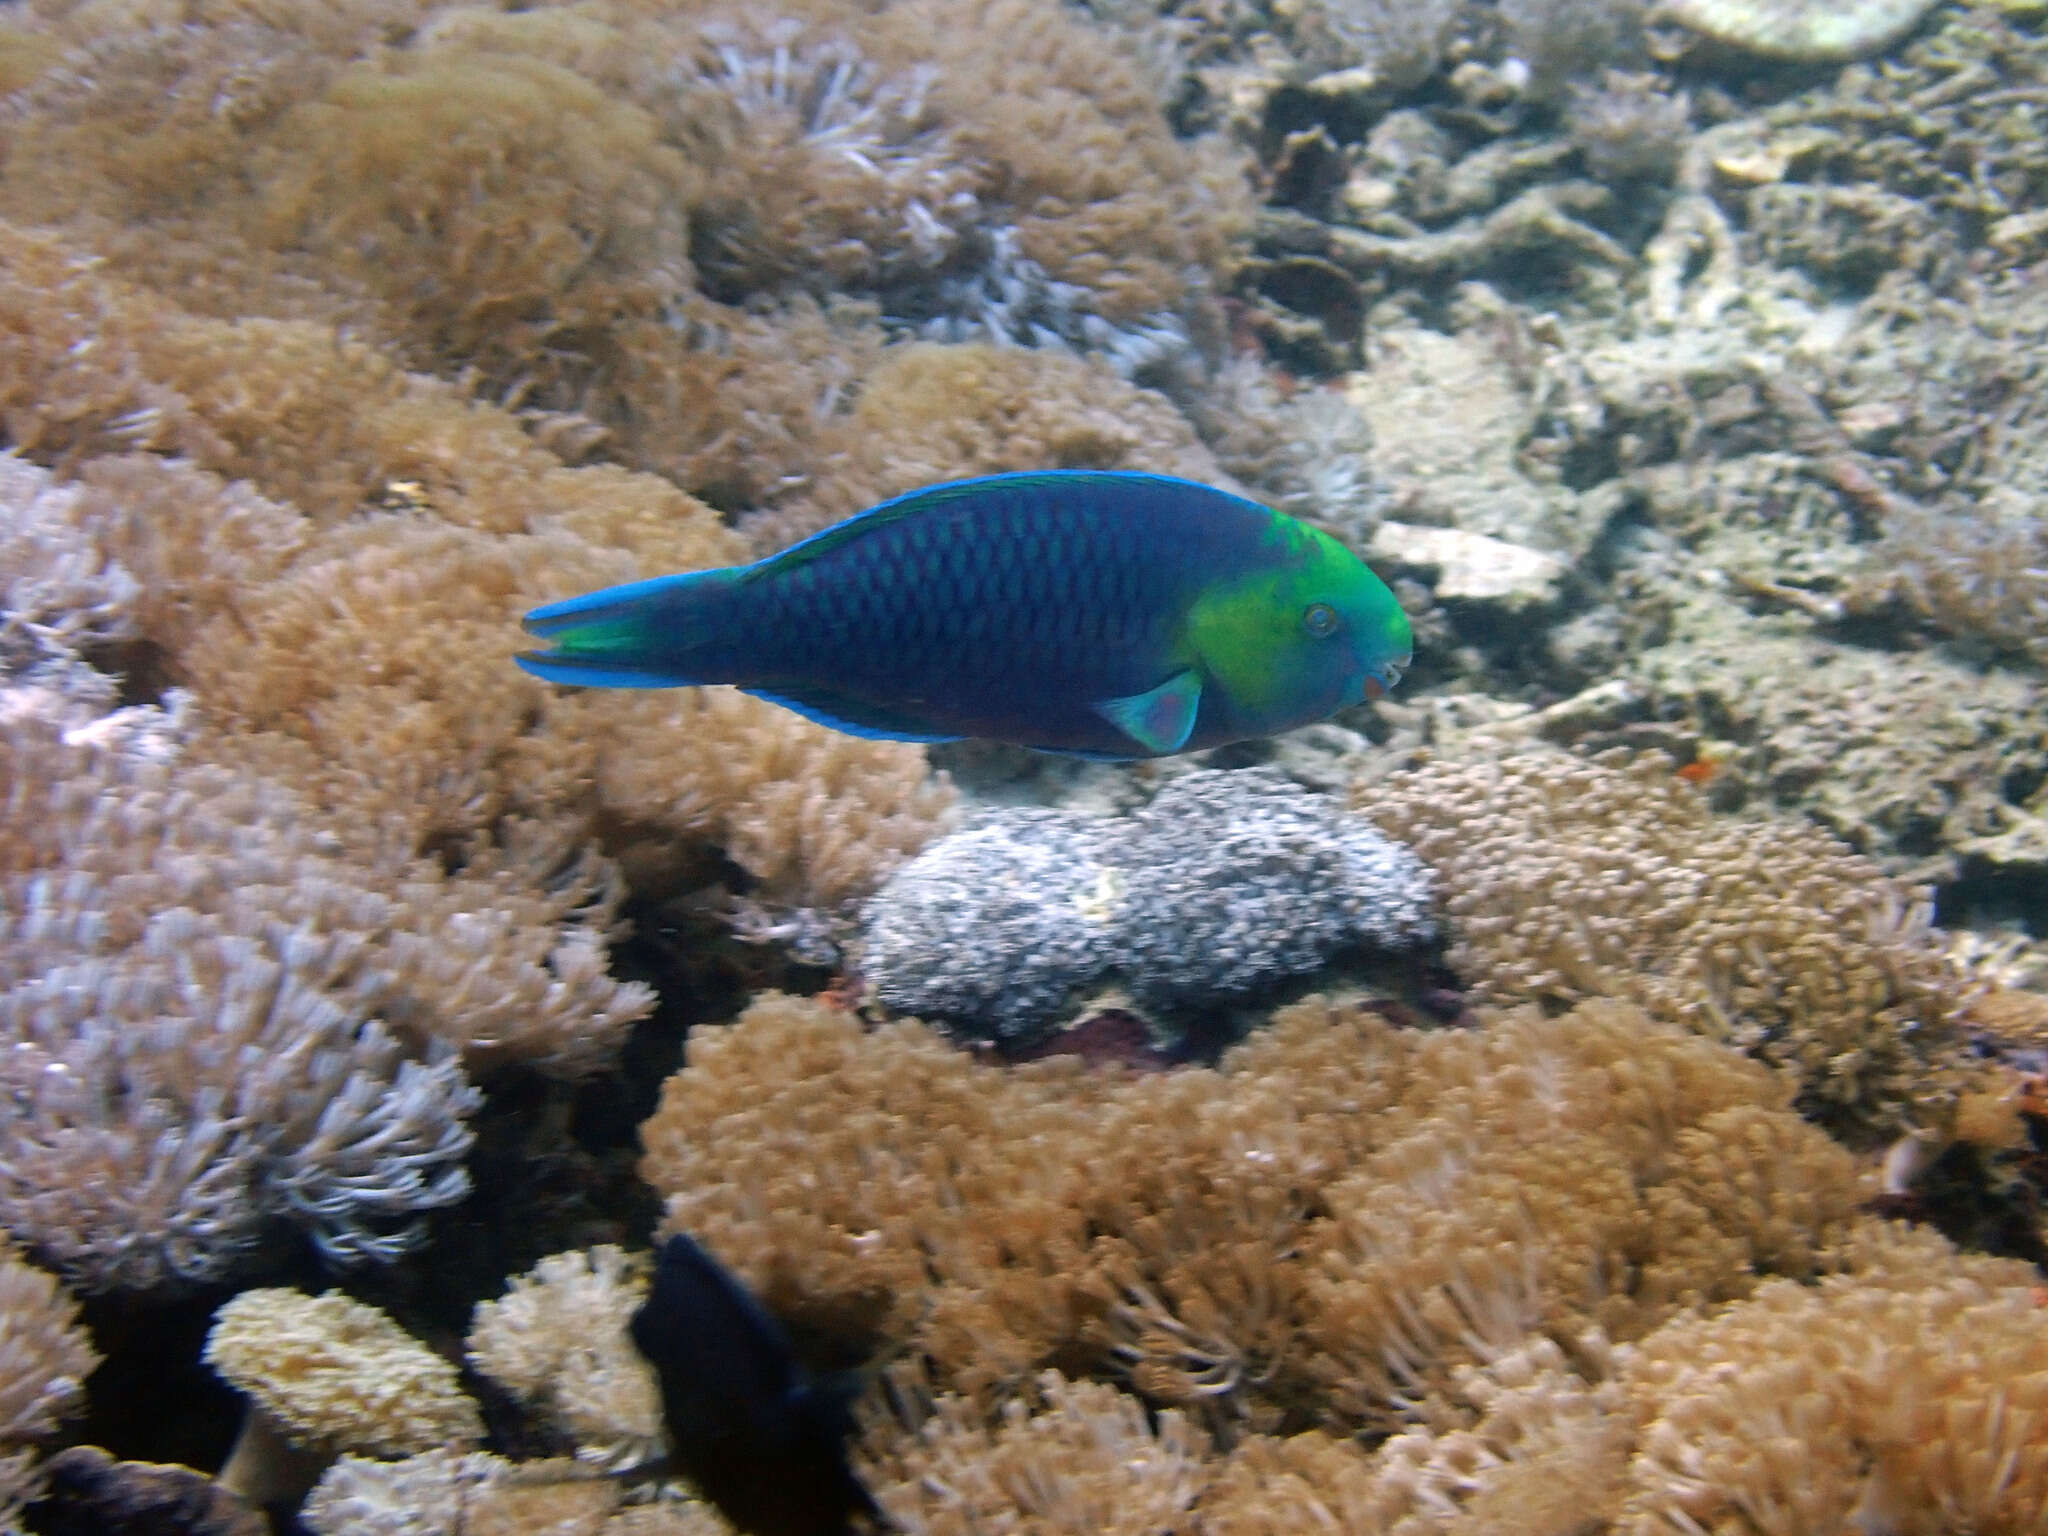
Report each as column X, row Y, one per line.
column 1160, row 719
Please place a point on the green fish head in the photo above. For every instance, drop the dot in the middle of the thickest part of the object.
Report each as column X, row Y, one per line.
column 1302, row 636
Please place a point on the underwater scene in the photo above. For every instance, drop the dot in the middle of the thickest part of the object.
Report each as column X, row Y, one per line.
column 1024, row 767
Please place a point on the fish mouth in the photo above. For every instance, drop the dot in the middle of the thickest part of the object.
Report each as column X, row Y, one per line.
column 1381, row 680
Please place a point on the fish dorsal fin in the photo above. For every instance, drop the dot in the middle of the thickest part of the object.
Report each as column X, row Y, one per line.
column 912, row 503
column 862, row 523
column 1160, row 719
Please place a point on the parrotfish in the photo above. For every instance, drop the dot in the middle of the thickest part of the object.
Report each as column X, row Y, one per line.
column 760, row 1437
column 1101, row 613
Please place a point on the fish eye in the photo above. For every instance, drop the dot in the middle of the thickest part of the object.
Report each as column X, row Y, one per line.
column 1320, row 620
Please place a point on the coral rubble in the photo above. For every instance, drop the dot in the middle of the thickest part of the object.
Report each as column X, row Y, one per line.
column 1801, row 29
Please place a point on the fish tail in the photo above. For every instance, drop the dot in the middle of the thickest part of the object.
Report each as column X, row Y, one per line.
column 671, row 632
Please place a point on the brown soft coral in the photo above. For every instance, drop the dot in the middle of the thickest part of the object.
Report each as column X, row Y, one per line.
column 338, row 1375
column 428, row 713
column 1528, row 1446
column 45, row 1356
column 557, row 1340
column 354, row 622
column 1079, row 153
column 222, row 1006
column 1324, row 1227
column 854, row 152
column 1516, row 1191
column 1905, row 1395
column 524, row 201
column 518, row 220
column 1082, row 1458
column 930, row 412
column 1566, row 879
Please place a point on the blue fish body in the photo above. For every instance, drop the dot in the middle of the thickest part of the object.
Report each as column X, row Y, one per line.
column 1108, row 614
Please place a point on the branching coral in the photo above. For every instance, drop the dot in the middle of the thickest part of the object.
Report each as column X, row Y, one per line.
column 1566, row 879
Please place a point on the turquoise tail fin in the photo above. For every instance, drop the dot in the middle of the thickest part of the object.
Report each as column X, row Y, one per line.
column 664, row 633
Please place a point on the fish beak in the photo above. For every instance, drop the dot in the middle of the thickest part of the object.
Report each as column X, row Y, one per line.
column 1380, row 680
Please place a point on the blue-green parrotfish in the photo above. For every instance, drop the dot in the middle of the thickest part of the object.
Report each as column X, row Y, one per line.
column 1102, row 613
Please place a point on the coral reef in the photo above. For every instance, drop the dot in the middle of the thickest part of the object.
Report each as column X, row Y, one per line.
column 1983, row 577
column 437, row 1492
column 417, row 717
column 926, row 413
column 1629, row 128
column 1531, row 1260
column 1305, row 1234
column 1225, row 885
column 1566, row 879
column 408, row 168
column 1903, row 1393
column 333, row 335
column 1559, row 41
column 63, row 591
column 557, row 1341
column 1916, row 761
column 191, row 986
column 45, row 1356
column 1084, row 1457
column 1400, row 45
column 336, row 1375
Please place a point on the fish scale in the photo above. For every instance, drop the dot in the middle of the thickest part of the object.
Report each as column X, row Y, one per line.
column 1107, row 613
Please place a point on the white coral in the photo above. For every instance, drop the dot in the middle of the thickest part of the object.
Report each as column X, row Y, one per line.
column 189, row 1047
column 557, row 1340
column 59, row 587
